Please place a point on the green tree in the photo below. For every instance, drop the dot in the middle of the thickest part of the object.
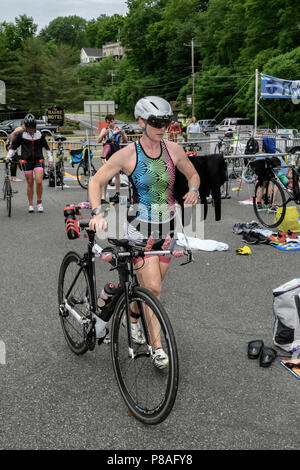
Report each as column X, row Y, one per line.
column 30, row 92
column 13, row 35
column 62, row 84
column 69, row 30
column 108, row 29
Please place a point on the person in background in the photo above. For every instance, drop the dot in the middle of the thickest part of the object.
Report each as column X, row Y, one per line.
column 112, row 136
column 174, row 131
column 193, row 127
column 15, row 158
column 32, row 143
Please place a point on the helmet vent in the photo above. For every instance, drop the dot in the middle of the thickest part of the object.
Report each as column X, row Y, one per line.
column 153, row 104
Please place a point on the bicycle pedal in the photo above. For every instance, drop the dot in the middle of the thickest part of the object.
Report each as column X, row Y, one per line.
column 102, row 340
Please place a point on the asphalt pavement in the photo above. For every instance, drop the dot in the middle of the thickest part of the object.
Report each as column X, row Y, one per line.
column 53, row 399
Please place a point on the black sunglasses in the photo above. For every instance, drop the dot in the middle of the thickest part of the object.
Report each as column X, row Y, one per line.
column 159, row 122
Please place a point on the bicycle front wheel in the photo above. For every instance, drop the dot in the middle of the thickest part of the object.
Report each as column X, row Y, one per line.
column 74, row 291
column 148, row 387
column 83, row 176
column 7, row 195
column 269, row 203
column 62, row 173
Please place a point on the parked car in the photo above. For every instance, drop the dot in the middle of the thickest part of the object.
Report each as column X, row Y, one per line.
column 235, row 125
column 207, row 125
column 131, row 128
column 9, row 125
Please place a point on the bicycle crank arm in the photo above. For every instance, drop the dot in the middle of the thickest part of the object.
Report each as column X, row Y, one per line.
column 73, row 312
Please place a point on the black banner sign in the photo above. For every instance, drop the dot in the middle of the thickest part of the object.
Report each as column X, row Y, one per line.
column 55, row 116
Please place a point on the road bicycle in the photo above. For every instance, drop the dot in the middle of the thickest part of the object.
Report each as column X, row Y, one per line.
column 59, row 168
column 7, row 188
column 224, row 145
column 148, row 392
column 275, row 196
column 85, row 169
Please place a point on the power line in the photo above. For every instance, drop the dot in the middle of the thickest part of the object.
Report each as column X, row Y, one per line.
column 227, row 104
column 168, row 83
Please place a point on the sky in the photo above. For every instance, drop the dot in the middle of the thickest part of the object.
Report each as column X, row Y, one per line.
column 44, row 11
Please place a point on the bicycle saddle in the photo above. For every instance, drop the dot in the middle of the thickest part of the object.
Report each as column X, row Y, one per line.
column 59, row 138
column 116, row 242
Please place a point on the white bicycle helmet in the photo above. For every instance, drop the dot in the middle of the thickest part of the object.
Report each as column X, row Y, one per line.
column 152, row 106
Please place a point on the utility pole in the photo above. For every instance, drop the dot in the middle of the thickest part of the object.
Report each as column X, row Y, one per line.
column 193, row 79
column 192, row 46
column 256, row 101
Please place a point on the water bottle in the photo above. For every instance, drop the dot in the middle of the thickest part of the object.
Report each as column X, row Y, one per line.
column 71, row 223
column 105, row 295
column 283, row 179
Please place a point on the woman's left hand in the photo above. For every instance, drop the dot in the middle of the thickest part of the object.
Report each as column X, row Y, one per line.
column 190, row 198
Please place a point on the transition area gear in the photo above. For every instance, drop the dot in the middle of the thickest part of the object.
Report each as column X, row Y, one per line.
column 245, row 250
column 152, row 106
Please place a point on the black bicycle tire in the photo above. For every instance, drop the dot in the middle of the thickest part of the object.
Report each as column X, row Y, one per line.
column 62, row 174
column 93, row 171
column 257, row 212
column 8, row 205
column 217, row 148
column 7, row 196
column 160, row 414
column 70, row 257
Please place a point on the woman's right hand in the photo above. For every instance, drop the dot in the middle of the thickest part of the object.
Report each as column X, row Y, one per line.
column 98, row 223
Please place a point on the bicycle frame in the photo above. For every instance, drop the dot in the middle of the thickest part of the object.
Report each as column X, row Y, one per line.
column 293, row 194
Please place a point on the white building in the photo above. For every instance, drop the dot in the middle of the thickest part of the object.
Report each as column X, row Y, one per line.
column 113, row 49
column 89, row 54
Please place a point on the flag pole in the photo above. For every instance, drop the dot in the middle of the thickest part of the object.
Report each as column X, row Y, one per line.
column 256, row 100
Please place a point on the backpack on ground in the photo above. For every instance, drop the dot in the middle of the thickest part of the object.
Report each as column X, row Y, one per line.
column 286, row 309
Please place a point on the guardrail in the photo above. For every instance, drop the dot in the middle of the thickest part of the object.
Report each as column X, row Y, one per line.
column 207, row 143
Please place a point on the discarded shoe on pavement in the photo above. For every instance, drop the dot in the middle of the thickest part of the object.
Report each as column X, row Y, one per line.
column 267, row 356
column 255, row 348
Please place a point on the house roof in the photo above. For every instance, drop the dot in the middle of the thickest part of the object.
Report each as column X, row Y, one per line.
column 92, row 51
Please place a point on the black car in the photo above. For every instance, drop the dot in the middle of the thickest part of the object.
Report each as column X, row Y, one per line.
column 8, row 126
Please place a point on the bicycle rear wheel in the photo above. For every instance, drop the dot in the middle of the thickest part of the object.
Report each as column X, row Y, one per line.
column 62, row 173
column 7, row 190
column 78, row 296
column 148, row 391
column 83, row 176
column 272, row 196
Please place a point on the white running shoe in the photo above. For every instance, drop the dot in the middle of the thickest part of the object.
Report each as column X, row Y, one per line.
column 160, row 358
column 40, row 208
column 30, row 209
column 137, row 333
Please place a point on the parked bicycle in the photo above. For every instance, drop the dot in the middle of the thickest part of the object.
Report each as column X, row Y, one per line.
column 85, row 169
column 57, row 173
column 225, row 144
column 7, row 188
column 148, row 392
column 270, row 208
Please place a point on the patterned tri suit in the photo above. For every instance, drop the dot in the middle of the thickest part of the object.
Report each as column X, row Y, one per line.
column 152, row 204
